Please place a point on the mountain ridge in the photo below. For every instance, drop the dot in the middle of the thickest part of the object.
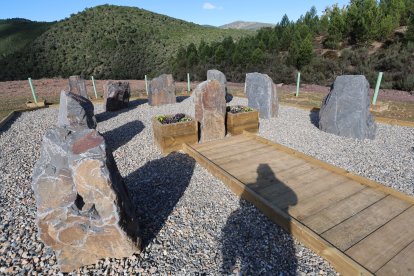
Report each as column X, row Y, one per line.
column 246, row 25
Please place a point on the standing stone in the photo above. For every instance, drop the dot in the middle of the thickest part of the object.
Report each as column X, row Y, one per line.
column 83, row 210
column 75, row 110
column 161, row 90
column 210, row 110
column 116, row 95
column 218, row 75
column 345, row 110
column 77, row 86
column 262, row 95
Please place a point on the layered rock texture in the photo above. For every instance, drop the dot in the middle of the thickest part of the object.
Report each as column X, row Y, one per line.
column 210, row 110
column 218, row 75
column 83, row 209
column 77, row 86
column 75, row 110
column 345, row 110
column 161, row 90
column 116, row 95
column 262, row 95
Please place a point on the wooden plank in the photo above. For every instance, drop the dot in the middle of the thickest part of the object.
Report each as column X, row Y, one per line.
column 334, row 169
column 351, row 231
column 251, row 147
column 221, row 143
column 230, row 150
column 400, row 265
column 377, row 249
column 301, row 190
column 342, row 263
column 344, row 209
column 234, row 160
column 310, row 206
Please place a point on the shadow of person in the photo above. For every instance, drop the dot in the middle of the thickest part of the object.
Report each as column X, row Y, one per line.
column 314, row 117
column 252, row 244
column 119, row 136
column 106, row 115
column 156, row 188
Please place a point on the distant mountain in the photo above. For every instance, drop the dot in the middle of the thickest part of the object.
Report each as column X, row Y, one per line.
column 16, row 33
column 243, row 25
column 105, row 41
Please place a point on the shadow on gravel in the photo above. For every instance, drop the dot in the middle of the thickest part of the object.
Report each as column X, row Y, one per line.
column 314, row 117
column 119, row 136
column 252, row 244
column 156, row 188
column 181, row 98
column 106, row 115
column 10, row 122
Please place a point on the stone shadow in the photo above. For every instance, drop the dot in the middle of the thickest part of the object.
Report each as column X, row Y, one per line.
column 155, row 190
column 252, row 244
column 119, row 136
column 314, row 117
column 10, row 122
column 179, row 99
column 106, row 115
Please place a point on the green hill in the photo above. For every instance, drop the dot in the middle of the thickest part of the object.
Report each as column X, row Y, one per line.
column 16, row 33
column 108, row 42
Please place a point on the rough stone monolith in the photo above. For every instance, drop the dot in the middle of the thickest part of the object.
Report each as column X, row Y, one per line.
column 262, row 95
column 161, row 90
column 83, row 210
column 75, row 111
column 210, row 110
column 345, row 110
column 77, row 86
column 116, row 95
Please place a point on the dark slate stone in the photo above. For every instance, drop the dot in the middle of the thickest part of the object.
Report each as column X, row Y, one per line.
column 161, row 90
column 116, row 95
column 77, row 86
column 75, row 111
column 262, row 95
column 345, row 110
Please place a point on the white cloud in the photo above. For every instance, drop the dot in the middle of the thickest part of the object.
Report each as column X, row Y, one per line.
column 209, row 6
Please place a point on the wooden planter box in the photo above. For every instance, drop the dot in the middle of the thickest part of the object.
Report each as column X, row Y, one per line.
column 236, row 123
column 170, row 137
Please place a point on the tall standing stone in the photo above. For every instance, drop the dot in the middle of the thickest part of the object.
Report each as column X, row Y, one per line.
column 162, row 90
column 215, row 74
column 262, row 95
column 116, row 95
column 83, row 210
column 75, row 111
column 345, row 110
column 210, row 110
column 77, row 86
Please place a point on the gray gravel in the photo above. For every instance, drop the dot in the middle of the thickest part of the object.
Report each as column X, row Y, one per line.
column 192, row 224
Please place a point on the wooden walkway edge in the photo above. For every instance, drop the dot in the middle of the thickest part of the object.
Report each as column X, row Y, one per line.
column 317, row 218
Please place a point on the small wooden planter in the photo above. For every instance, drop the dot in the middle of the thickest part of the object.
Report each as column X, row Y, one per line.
column 236, row 123
column 170, row 137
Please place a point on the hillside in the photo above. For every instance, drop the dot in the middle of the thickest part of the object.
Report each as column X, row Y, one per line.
column 243, row 25
column 16, row 33
column 108, row 42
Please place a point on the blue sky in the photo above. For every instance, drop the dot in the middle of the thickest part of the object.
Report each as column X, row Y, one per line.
column 211, row 12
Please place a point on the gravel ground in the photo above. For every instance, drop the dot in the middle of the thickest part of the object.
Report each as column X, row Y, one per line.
column 192, row 224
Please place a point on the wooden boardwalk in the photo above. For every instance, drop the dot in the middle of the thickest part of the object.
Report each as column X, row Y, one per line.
column 361, row 227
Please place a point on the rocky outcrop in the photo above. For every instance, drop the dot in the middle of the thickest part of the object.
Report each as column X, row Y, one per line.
column 345, row 110
column 77, row 86
column 161, row 90
column 75, row 111
column 116, row 95
column 83, row 210
column 210, row 110
column 262, row 95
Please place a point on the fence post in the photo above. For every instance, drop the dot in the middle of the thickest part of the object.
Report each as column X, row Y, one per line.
column 298, row 85
column 146, row 84
column 377, row 87
column 188, row 83
column 33, row 90
column 94, row 87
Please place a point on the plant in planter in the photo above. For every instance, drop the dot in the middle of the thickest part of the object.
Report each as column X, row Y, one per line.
column 171, row 131
column 240, row 118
